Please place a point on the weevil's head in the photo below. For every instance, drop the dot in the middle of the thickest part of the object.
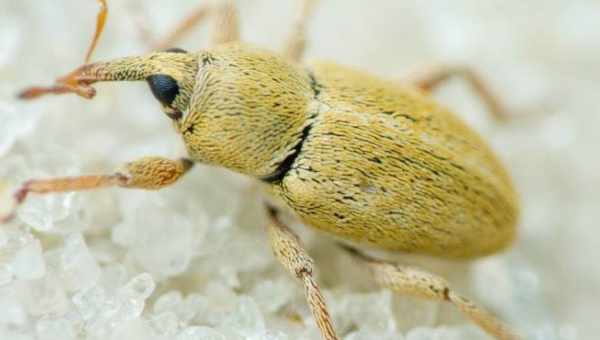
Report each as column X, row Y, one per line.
column 169, row 73
column 235, row 106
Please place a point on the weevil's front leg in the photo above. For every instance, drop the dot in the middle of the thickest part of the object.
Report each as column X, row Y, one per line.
column 225, row 27
column 149, row 173
column 290, row 253
column 416, row 282
column 429, row 78
column 296, row 42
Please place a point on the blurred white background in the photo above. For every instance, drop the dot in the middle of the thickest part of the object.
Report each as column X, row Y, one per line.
column 204, row 238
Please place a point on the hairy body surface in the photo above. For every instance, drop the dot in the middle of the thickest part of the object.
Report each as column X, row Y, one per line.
column 372, row 161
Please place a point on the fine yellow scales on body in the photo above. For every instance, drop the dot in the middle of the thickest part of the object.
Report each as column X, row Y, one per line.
column 374, row 163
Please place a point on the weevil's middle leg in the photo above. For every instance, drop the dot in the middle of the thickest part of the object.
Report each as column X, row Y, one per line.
column 225, row 26
column 290, row 253
column 296, row 41
column 416, row 282
column 429, row 78
column 149, row 173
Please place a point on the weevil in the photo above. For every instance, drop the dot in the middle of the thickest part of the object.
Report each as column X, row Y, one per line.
column 374, row 163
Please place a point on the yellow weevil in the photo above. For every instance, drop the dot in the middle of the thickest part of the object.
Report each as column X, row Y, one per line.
column 371, row 162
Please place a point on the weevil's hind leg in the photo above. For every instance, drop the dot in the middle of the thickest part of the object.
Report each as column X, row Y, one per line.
column 195, row 17
column 290, row 253
column 296, row 41
column 225, row 27
column 149, row 173
column 419, row 283
column 429, row 78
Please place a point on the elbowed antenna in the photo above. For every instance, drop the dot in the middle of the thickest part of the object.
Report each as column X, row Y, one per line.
column 79, row 81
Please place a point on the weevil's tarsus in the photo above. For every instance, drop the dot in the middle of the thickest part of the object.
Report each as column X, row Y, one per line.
column 38, row 91
column 77, row 82
column 422, row 284
column 72, row 83
column 150, row 173
column 291, row 254
column 295, row 44
column 100, row 23
column 428, row 78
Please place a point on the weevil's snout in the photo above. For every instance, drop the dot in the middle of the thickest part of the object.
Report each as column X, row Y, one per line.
column 169, row 73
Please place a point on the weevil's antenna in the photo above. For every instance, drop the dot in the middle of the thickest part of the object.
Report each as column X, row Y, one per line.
column 100, row 22
column 70, row 82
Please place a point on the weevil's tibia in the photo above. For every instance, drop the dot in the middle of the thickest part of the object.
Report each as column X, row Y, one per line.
column 296, row 41
column 419, row 283
column 290, row 253
column 224, row 27
column 195, row 17
column 150, row 173
column 100, row 22
column 432, row 76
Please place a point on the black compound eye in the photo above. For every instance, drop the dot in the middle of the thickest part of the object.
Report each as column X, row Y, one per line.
column 163, row 87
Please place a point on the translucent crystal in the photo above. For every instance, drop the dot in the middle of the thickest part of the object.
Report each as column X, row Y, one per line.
column 446, row 333
column 45, row 297
column 213, row 307
column 10, row 39
column 55, row 329
column 200, row 333
column 113, row 276
column 6, row 204
column 79, row 268
column 246, row 320
column 28, row 262
column 44, row 212
column 165, row 323
column 56, row 213
column 195, row 305
column 15, row 335
column 14, row 123
column 90, row 301
column 367, row 310
column 6, row 274
column 139, row 287
column 272, row 295
column 131, row 298
column 11, row 312
column 167, row 301
column 137, row 329
column 160, row 240
column 368, row 334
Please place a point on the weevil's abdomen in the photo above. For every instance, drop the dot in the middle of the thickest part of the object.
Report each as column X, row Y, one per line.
column 385, row 166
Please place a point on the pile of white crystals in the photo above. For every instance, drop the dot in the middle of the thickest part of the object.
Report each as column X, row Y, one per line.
column 193, row 262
